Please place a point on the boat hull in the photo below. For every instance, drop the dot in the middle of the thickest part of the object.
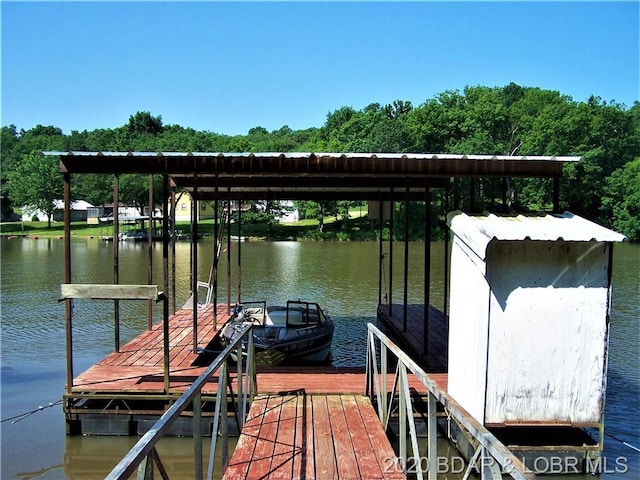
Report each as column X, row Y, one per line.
column 296, row 339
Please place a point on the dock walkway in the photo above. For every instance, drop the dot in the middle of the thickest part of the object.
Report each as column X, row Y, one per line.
column 313, row 436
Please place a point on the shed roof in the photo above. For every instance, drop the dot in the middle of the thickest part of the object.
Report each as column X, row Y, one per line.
column 306, row 175
column 479, row 230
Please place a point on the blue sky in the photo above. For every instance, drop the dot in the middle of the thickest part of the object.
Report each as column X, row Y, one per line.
column 228, row 67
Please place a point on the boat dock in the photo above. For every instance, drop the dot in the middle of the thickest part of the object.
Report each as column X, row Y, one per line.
column 460, row 368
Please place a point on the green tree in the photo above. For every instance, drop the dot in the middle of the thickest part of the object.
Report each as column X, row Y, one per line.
column 144, row 123
column 134, row 190
column 622, row 199
column 35, row 184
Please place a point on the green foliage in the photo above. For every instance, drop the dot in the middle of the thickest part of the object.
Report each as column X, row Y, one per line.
column 480, row 120
column 35, row 184
column 622, row 199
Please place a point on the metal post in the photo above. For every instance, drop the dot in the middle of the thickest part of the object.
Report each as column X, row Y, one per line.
column 432, row 447
column 405, row 307
column 240, row 404
column 239, row 252
column 194, row 259
column 505, row 186
column 229, row 258
column 380, row 254
column 216, row 226
column 472, row 194
column 68, row 306
column 402, row 419
column 391, row 251
column 556, row 194
column 150, row 253
column 173, row 247
column 383, row 371
column 446, row 253
column 116, row 260
column 197, row 433
column 427, row 269
column 223, row 414
column 165, row 267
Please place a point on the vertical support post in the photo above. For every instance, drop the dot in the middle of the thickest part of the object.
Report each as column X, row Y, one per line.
column 239, row 252
column 456, row 194
column 240, row 391
column 427, row 269
column 216, row 226
column 197, row 434
column 402, row 419
column 251, row 359
column 223, row 415
column 446, row 254
column 505, row 187
column 150, row 253
column 165, row 268
column 432, row 447
column 556, row 194
column 472, row 194
column 383, row 370
column 116, row 259
column 391, row 215
column 194, row 259
column 173, row 246
column 405, row 307
column 229, row 258
column 380, row 254
column 68, row 305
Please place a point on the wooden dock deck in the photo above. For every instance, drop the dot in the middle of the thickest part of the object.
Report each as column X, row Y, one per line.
column 138, row 366
column 305, row 422
column 433, row 358
column 313, row 436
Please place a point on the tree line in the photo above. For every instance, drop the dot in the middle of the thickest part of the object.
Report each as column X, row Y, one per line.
column 511, row 120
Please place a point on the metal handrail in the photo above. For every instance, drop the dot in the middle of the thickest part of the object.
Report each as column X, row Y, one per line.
column 376, row 388
column 144, row 450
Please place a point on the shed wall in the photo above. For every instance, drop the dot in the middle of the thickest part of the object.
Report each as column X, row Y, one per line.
column 527, row 339
column 547, row 332
column 468, row 327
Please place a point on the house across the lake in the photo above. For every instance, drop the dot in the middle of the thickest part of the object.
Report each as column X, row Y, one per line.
column 79, row 210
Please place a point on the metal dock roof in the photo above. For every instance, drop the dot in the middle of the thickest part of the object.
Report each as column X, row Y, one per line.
column 307, row 175
column 479, row 230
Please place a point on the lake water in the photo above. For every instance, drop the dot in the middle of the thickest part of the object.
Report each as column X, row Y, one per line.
column 341, row 276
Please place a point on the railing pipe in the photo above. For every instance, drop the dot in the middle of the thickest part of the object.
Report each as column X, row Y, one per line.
column 147, row 443
column 511, row 464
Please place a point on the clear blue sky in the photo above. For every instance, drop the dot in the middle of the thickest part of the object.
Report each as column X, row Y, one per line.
column 228, row 67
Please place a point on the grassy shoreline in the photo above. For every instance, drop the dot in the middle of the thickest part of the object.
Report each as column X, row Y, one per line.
column 353, row 229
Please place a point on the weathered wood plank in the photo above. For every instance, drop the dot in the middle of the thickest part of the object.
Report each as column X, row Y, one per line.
column 363, row 450
column 301, row 455
column 381, row 446
column 284, row 451
column 101, row 291
column 325, row 455
column 261, row 461
column 346, row 461
column 240, row 462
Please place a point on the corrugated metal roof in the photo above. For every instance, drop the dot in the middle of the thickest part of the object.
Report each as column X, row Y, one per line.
column 479, row 230
column 324, row 155
column 306, row 175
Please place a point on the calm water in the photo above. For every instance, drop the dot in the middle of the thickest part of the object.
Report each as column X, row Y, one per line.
column 343, row 277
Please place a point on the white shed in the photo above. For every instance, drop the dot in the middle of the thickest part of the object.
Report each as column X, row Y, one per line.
column 529, row 318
